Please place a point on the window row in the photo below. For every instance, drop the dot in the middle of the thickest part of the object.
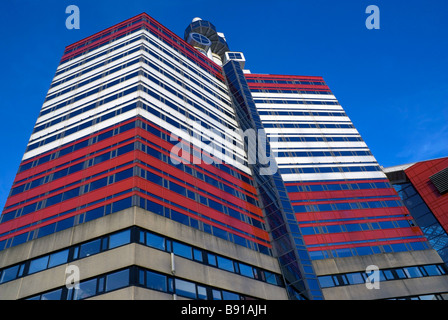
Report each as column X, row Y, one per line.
column 309, row 125
column 329, row 169
column 84, row 94
column 274, row 112
column 291, row 91
column 181, row 189
column 64, row 256
column 55, row 168
column 73, row 169
column 308, row 82
column 286, row 138
column 208, row 258
column 68, row 222
column 220, row 166
column 347, row 206
column 109, row 51
column 69, row 194
column 369, row 250
column 216, row 113
column 295, row 101
column 323, row 153
column 354, row 227
column 141, row 236
column 92, row 122
column 102, row 35
column 338, row 186
column 166, row 37
column 433, row 296
column 153, row 152
column 103, row 63
column 137, row 276
column 77, row 146
column 110, row 133
column 78, row 85
column 156, row 81
column 178, row 215
column 384, row 275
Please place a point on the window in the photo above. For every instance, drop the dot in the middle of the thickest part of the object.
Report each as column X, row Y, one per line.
column 182, row 250
column 326, row 281
column 119, row 239
column 90, row 248
column 225, row 264
column 202, row 293
column 155, row 241
column 413, row 272
column 38, row 264
column 185, row 288
column 355, row 278
column 117, row 280
column 58, row 258
column 246, row 270
column 230, row 296
column 197, row 255
column 86, row 289
column 9, row 274
column 211, row 259
column 156, row 281
column 52, row 295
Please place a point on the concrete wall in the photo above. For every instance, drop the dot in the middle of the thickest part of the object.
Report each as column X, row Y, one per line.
column 388, row 289
column 135, row 254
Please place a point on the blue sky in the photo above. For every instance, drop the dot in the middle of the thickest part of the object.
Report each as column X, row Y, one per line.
column 392, row 82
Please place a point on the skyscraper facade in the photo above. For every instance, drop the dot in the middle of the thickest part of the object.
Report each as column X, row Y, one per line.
column 159, row 168
column 423, row 188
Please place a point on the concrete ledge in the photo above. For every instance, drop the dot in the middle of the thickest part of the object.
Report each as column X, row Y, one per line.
column 383, row 261
column 389, row 289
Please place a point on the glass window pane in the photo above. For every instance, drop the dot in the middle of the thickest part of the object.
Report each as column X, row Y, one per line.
column 185, row 288
column 119, row 239
column 388, row 274
column 202, row 293
column 38, row 264
column 197, row 254
column 413, row 272
column 225, row 264
column 211, row 259
column 53, row 295
column 216, row 294
column 355, row 278
column 246, row 270
column 58, row 258
column 432, row 270
column 428, row 297
column 400, row 273
column 270, row 277
column 9, row 274
column 155, row 281
column 86, row 289
column 117, row 280
column 155, row 241
column 90, row 248
column 182, row 250
column 230, row 296
column 326, row 281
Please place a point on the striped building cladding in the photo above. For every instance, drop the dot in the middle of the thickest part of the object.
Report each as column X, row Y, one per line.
column 136, row 117
column 342, row 200
column 103, row 139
